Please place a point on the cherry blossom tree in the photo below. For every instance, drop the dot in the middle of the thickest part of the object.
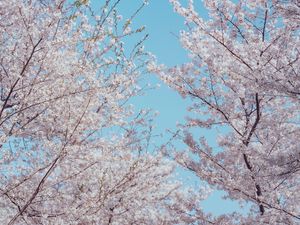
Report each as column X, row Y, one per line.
column 72, row 150
column 243, row 79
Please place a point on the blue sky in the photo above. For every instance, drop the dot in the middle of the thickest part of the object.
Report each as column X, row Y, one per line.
column 163, row 25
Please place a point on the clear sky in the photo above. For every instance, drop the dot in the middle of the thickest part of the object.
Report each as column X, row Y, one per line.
column 163, row 25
